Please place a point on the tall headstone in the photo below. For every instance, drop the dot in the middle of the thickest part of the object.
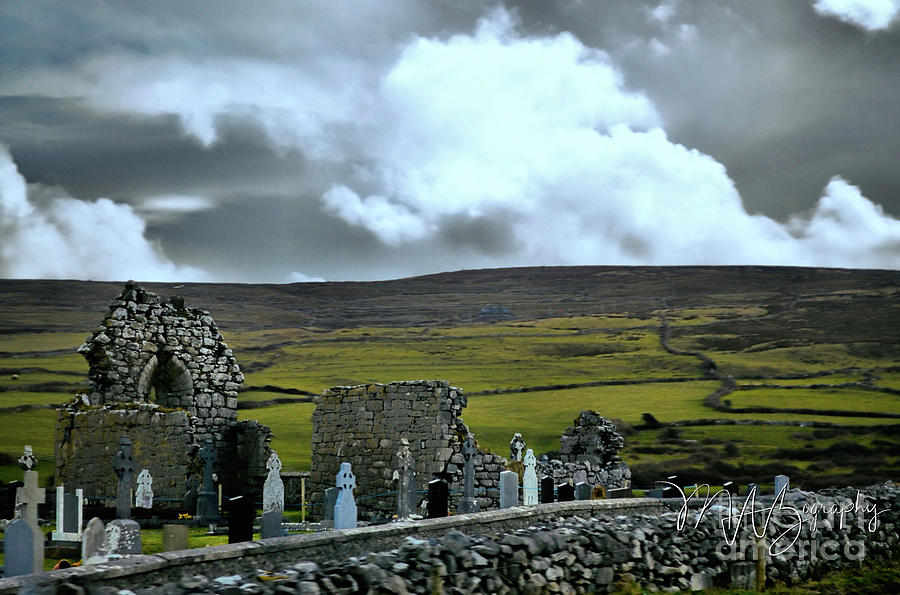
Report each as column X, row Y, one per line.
column 190, row 496
column 547, row 488
column 30, row 495
column 24, row 547
column 69, row 511
column 782, row 482
column 174, row 538
column 93, row 542
column 124, row 466
column 529, row 480
column 123, row 535
column 12, row 489
column 468, row 503
column 273, row 488
column 509, row 489
column 438, row 499
column 143, row 496
column 207, row 498
column 331, row 495
column 516, row 447
column 240, row 519
column 270, row 525
column 565, row 492
column 583, row 491
column 406, row 481
column 345, row 507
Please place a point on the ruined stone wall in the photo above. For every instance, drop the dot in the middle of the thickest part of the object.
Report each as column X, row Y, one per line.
column 589, row 451
column 363, row 425
column 87, row 439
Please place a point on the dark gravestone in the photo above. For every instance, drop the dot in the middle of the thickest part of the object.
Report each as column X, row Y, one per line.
column 240, row 519
column 208, row 499
column 565, row 492
column 124, row 466
column 331, row 495
column 438, row 499
column 547, row 490
column 71, row 512
column 583, row 491
column 468, row 503
column 11, row 489
column 190, row 497
column 619, row 493
column 271, row 524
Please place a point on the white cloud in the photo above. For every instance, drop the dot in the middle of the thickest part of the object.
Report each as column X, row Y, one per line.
column 177, row 204
column 659, row 48
column 298, row 277
column 871, row 15
column 664, row 11
column 391, row 223
column 74, row 239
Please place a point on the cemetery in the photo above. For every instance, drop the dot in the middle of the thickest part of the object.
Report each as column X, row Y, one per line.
column 401, row 497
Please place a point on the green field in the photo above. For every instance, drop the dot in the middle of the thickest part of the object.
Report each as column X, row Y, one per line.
column 569, row 326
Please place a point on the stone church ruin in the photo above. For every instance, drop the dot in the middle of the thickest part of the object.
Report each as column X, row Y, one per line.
column 161, row 373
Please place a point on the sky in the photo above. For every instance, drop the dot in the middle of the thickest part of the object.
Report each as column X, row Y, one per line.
column 286, row 141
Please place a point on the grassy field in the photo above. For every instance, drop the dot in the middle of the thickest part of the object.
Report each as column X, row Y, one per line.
column 568, row 326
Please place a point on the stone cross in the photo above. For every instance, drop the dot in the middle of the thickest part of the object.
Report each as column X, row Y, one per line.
column 406, row 481
column 123, row 464
column 30, row 495
column 273, row 488
column 468, row 503
column 516, row 447
column 207, row 499
column 143, row 497
column 345, row 507
column 529, row 480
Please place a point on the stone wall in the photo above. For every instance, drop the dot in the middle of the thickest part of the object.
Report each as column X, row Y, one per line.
column 363, row 425
column 87, row 439
column 589, row 451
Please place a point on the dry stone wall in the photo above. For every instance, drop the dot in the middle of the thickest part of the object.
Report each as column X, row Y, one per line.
column 363, row 425
column 589, row 449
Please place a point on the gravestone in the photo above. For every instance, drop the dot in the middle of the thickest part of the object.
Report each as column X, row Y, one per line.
column 468, row 503
column 93, row 542
column 240, row 519
column 123, row 537
column 655, row 493
column 273, row 488
column 438, row 499
column 143, row 496
column 752, row 488
column 583, row 491
column 69, row 511
column 619, row 493
column 509, row 489
column 124, row 466
column 331, row 495
column 547, row 490
column 190, row 496
column 12, row 489
column 207, row 499
column 782, row 483
column 516, row 447
column 271, row 524
column 529, row 480
column 565, row 492
column 24, row 547
column 406, row 481
column 174, row 538
column 345, row 507
column 30, row 495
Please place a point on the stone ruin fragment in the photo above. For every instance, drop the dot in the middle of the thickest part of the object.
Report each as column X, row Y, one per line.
column 161, row 373
column 589, row 451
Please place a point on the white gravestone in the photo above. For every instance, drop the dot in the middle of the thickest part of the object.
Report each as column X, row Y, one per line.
column 143, row 497
column 69, row 515
column 406, row 482
column 782, row 483
column 509, row 489
column 24, row 545
column 273, row 489
column 530, row 480
column 345, row 507
column 93, row 543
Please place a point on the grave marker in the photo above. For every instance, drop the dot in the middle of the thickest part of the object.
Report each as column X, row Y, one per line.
column 271, row 524
column 565, row 492
column 143, row 497
column 438, row 499
column 240, row 519
column 174, row 538
column 24, row 547
column 516, row 447
column 345, row 508
column 273, row 488
column 547, row 490
column 529, row 480
column 468, row 503
column 9, row 512
column 124, row 466
column 30, row 495
column 619, row 493
column 782, row 483
column 207, row 499
column 583, row 491
column 69, row 511
column 509, row 489
column 93, row 550
column 331, row 495
column 406, row 482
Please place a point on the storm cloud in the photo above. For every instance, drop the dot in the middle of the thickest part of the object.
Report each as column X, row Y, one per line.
column 371, row 144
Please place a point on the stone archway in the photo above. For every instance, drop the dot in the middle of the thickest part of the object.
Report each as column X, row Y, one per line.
column 166, row 376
